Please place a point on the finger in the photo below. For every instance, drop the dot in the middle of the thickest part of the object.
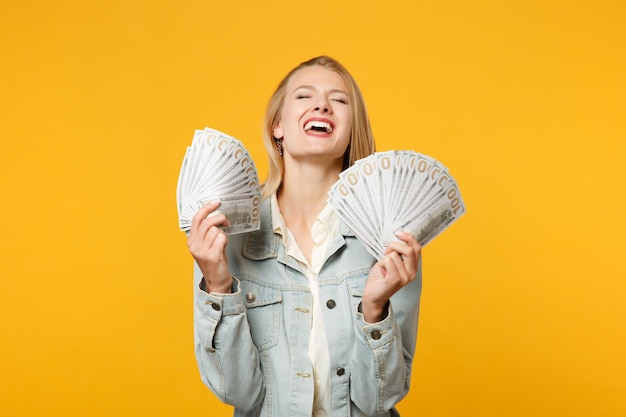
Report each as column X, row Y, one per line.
column 215, row 244
column 409, row 239
column 392, row 264
column 198, row 235
column 209, row 248
column 200, row 225
column 212, row 236
column 203, row 213
column 220, row 243
column 410, row 254
column 404, row 267
column 198, row 231
column 407, row 247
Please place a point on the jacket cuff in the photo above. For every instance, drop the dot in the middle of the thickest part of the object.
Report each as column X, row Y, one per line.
column 216, row 305
column 376, row 334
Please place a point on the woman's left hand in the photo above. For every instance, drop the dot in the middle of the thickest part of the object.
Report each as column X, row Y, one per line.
column 397, row 268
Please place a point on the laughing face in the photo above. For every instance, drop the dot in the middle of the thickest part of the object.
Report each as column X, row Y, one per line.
column 316, row 116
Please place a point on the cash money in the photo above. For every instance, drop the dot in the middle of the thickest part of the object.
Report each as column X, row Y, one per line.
column 218, row 167
column 393, row 191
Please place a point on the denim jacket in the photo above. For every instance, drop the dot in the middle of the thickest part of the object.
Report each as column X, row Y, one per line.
column 251, row 345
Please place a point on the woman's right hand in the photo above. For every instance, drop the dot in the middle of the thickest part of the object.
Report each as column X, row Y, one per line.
column 207, row 244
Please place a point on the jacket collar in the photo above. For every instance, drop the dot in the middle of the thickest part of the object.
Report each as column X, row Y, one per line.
column 265, row 244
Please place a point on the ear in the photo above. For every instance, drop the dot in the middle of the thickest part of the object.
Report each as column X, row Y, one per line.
column 278, row 131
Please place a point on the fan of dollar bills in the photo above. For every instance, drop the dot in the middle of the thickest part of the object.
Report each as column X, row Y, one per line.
column 396, row 191
column 217, row 166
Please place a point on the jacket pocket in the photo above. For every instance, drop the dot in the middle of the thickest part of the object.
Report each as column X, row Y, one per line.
column 356, row 285
column 263, row 309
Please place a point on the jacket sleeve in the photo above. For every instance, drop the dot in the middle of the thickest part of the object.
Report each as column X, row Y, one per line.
column 383, row 353
column 227, row 359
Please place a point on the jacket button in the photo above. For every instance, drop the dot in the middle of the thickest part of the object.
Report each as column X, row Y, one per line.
column 250, row 297
column 215, row 306
column 340, row 371
column 331, row 304
column 376, row 334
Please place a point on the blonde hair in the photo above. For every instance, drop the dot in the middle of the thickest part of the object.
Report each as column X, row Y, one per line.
column 361, row 137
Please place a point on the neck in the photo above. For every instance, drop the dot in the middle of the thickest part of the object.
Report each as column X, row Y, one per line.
column 303, row 192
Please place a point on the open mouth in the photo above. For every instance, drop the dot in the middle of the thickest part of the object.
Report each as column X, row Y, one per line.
column 318, row 126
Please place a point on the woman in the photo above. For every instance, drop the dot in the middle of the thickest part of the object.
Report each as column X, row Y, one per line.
column 297, row 319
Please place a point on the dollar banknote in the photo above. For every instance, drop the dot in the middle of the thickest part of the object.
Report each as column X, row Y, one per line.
column 218, row 167
column 396, row 191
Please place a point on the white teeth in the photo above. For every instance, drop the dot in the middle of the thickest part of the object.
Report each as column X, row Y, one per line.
column 318, row 126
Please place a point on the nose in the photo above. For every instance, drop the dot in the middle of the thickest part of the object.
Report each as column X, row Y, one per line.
column 322, row 105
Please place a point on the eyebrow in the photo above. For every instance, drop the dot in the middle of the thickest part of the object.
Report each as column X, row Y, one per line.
column 311, row 87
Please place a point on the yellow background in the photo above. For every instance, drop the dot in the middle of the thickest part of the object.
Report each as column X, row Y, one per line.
column 523, row 310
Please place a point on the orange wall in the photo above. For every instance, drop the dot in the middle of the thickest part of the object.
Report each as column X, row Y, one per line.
column 523, row 305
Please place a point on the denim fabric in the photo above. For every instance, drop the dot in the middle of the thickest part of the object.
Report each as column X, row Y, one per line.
column 251, row 345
